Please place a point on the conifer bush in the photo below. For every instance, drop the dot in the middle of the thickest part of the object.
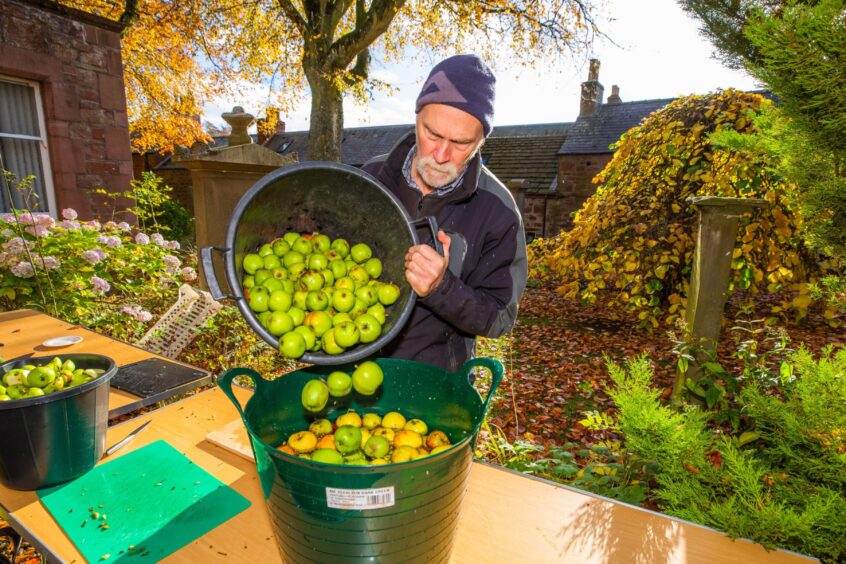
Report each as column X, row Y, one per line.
column 780, row 480
column 633, row 241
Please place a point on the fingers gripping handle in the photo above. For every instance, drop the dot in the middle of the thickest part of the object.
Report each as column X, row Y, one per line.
column 432, row 223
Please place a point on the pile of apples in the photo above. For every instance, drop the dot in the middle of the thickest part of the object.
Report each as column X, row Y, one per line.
column 314, row 293
column 360, row 439
column 30, row 381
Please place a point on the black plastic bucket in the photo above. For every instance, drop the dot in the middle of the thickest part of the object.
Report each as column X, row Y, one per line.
column 54, row 438
column 416, row 504
column 332, row 198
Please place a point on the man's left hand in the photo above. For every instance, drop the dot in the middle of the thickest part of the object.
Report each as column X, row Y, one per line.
column 425, row 268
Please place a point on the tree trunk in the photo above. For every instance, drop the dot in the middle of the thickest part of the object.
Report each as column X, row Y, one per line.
column 327, row 118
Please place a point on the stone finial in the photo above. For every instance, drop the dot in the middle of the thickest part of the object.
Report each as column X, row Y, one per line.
column 239, row 121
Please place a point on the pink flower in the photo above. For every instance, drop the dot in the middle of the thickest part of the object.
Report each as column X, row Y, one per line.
column 69, row 213
column 48, row 263
column 15, row 246
column 93, row 256
column 137, row 313
column 69, row 224
column 142, row 239
column 92, row 225
column 157, row 238
column 189, row 273
column 7, row 233
column 39, row 231
column 99, row 285
column 124, row 226
column 109, row 240
column 172, row 264
column 172, row 245
column 23, row 270
column 26, row 218
column 44, row 219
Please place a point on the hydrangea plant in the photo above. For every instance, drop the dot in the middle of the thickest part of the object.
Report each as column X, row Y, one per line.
column 105, row 276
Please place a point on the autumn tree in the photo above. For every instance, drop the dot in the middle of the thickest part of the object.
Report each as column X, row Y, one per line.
column 178, row 54
column 632, row 244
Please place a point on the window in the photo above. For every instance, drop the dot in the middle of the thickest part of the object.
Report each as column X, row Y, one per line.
column 23, row 143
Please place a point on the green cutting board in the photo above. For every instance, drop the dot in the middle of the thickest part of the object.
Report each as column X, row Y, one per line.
column 154, row 500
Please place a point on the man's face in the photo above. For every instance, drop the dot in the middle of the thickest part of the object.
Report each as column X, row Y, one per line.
column 447, row 138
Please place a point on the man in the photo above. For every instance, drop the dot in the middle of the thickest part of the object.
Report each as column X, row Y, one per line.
column 475, row 287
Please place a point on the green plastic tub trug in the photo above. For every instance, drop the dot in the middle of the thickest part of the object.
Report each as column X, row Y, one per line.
column 391, row 513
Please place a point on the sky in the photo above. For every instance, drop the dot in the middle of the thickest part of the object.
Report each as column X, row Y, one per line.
column 655, row 51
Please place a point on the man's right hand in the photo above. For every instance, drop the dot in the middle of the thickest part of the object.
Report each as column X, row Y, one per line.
column 425, row 268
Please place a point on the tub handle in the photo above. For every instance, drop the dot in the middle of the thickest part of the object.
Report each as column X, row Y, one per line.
column 432, row 223
column 496, row 369
column 209, row 273
column 225, row 383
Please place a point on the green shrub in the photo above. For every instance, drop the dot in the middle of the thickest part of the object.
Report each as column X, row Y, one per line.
column 780, row 481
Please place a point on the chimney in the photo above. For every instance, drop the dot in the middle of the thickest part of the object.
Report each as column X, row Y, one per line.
column 280, row 127
column 614, row 98
column 592, row 91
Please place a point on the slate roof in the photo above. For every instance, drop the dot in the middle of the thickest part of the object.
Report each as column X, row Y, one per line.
column 593, row 134
column 533, row 159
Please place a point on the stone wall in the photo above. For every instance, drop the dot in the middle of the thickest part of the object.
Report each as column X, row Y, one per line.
column 575, row 183
column 75, row 57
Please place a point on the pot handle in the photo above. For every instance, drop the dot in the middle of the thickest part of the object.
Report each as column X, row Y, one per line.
column 432, row 223
column 209, row 273
column 224, row 381
column 496, row 369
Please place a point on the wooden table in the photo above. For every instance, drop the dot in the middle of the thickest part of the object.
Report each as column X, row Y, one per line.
column 506, row 516
column 23, row 331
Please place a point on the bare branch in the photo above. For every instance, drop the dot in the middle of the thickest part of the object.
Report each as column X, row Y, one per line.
column 294, row 15
column 375, row 22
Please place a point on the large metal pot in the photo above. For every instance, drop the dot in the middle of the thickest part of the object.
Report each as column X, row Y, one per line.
column 332, row 198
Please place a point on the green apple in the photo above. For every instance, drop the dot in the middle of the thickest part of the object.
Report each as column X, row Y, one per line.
column 272, row 284
column 311, row 280
column 300, row 299
column 264, row 318
column 252, row 262
column 360, row 252
column 338, row 268
column 280, row 323
column 5, row 397
column 16, row 391
column 341, row 246
column 13, row 377
column 356, row 459
column 3, row 389
column 34, row 392
column 417, row 425
column 345, row 282
column 388, row 294
column 249, row 281
column 40, row 376
column 373, row 266
column 371, row 420
column 321, row 427
column 359, row 275
column 346, row 334
column 297, row 314
column 343, row 300
column 328, row 343
column 271, row 261
column 368, row 327
column 315, row 394
column 265, row 250
column 377, row 447
column 327, row 456
column 302, row 245
column 288, row 286
column 291, row 258
column 319, row 321
column 318, row 261
column 290, row 236
column 307, row 334
column 359, row 308
column 280, row 273
column 340, row 384
column 320, row 243
column 292, row 345
column 367, row 378
column 332, row 254
column 295, row 271
column 377, row 310
column 347, row 439
column 367, row 294
column 328, row 278
column 261, row 275
column 316, row 301
column 259, row 298
column 340, row 317
column 280, row 300
column 280, row 247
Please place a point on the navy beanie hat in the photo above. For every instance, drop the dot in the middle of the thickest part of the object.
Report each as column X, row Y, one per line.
column 464, row 82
